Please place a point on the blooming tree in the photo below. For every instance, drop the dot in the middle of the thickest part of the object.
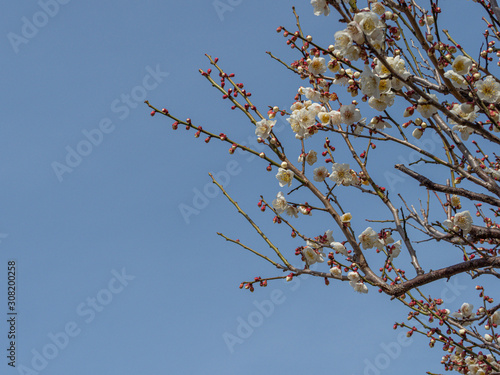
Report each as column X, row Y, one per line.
column 406, row 78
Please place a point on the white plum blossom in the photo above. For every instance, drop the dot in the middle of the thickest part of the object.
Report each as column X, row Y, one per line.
column 461, row 65
column 378, row 8
column 379, row 124
column 465, row 312
column 305, row 210
column 343, row 41
column 292, row 211
column 368, row 22
column 324, row 117
column 455, row 201
column 488, row 89
column 336, row 272
column 395, row 250
column 495, row 318
column 398, row 65
column 353, row 276
column 384, row 101
column 320, row 173
column 465, row 111
column 337, row 246
column 336, row 117
column 425, row 108
column 280, row 204
column 464, row 131
column 285, row 177
column 312, row 256
column 263, row 128
column 317, row 65
column 369, row 82
column 369, row 238
column 346, row 218
column 341, row 174
column 311, row 157
column 417, row 133
column 355, row 32
column 320, row 7
column 359, row 287
column 350, row 114
column 462, row 220
column 456, row 79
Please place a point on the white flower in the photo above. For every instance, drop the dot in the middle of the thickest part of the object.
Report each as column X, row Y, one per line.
column 463, row 220
column 292, row 211
column 465, row 111
column 353, row 276
column 312, row 256
column 320, row 7
column 317, row 66
column 456, row 79
column 378, row 8
column 379, row 124
column 455, row 201
column 285, row 177
column 417, row 133
column 311, row 94
column 368, row 238
column 280, row 204
column 305, row 210
column 369, row 82
column 488, row 89
column 465, row 312
column 425, row 108
column 311, row 157
column 343, row 41
column 350, row 114
column 263, row 128
column 320, row 173
column 355, row 32
column 385, row 100
column 346, row 218
column 359, row 287
column 336, row 117
column 341, row 174
column 495, row 318
column 336, row 272
column 324, row 118
column 464, row 131
column 395, row 250
column 368, row 21
column 337, row 246
column 461, row 65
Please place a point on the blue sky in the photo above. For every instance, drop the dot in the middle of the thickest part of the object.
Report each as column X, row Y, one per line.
column 101, row 249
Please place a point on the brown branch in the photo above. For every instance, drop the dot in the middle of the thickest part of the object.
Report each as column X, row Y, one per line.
column 424, row 181
column 443, row 273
